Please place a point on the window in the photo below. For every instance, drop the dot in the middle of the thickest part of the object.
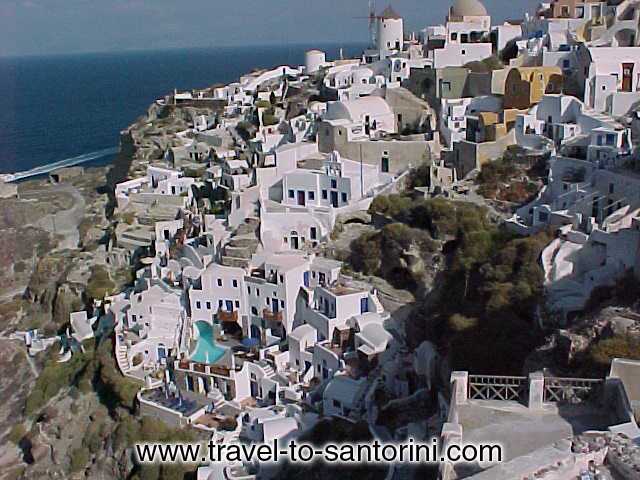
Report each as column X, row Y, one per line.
column 281, row 303
column 291, row 194
column 566, row 64
column 325, row 194
column 235, row 283
column 254, row 311
column 237, row 304
column 219, row 303
column 219, row 282
column 312, row 195
column 454, row 36
column 281, row 278
column 611, row 139
column 611, row 188
column 464, row 52
column 334, row 183
column 198, row 305
column 133, row 318
column 208, row 305
column 344, row 197
column 249, row 290
column 268, row 301
column 313, row 233
column 257, row 291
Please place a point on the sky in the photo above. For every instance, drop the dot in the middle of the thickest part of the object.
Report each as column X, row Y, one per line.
column 44, row 27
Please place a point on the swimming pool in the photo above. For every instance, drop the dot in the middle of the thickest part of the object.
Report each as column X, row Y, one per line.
column 206, row 349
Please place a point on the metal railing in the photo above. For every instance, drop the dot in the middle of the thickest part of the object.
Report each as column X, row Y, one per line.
column 494, row 387
column 571, row 390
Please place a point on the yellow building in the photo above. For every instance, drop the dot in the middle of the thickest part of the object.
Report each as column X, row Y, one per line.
column 525, row 86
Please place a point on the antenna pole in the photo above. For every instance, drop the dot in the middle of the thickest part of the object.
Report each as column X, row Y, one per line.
column 372, row 21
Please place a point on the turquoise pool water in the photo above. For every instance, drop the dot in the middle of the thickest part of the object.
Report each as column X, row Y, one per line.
column 206, row 349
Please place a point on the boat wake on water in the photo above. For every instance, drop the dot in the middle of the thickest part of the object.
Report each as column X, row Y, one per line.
column 67, row 162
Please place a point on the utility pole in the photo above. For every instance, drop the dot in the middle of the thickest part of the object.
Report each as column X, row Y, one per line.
column 361, row 176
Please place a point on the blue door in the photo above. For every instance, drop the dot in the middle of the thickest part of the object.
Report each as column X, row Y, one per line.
column 306, row 279
column 229, row 305
column 334, row 199
column 364, row 304
column 255, row 332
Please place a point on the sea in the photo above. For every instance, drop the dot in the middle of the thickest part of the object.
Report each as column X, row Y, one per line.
column 69, row 109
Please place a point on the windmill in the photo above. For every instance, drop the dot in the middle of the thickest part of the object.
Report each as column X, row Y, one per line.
column 372, row 17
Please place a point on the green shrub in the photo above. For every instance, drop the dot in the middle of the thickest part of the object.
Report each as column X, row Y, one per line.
column 269, row 119
column 603, row 352
column 100, row 284
column 79, row 459
column 460, row 323
column 17, row 433
column 57, row 376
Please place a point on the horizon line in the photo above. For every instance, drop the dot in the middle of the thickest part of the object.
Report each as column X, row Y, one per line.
column 171, row 49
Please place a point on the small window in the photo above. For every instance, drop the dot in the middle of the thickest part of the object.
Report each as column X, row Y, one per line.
column 281, row 303
column 249, row 290
column 344, row 197
column 334, row 183
column 325, row 194
column 292, row 194
column 198, row 305
column 237, row 304
column 219, row 282
column 281, row 278
column 254, row 311
column 208, row 305
column 258, row 292
column 313, row 233
column 312, row 195
column 235, row 283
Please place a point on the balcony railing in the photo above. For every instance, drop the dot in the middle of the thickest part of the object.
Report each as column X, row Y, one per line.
column 493, row 387
column 272, row 316
column 571, row 390
column 228, row 316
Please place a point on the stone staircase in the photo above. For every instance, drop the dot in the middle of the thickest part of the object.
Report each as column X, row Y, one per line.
column 122, row 359
column 269, row 371
column 242, row 245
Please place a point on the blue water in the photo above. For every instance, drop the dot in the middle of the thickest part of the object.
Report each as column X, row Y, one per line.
column 206, row 349
column 59, row 107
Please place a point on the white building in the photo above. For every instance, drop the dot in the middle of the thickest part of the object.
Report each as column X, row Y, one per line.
column 467, row 28
column 371, row 114
column 389, row 31
column 341, row 396
column 610, row 77
column 338, row 184
column 219, row 294
column 152, row 320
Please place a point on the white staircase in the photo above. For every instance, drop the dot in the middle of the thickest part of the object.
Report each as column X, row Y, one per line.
column 216, row 397
column 122, row 358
